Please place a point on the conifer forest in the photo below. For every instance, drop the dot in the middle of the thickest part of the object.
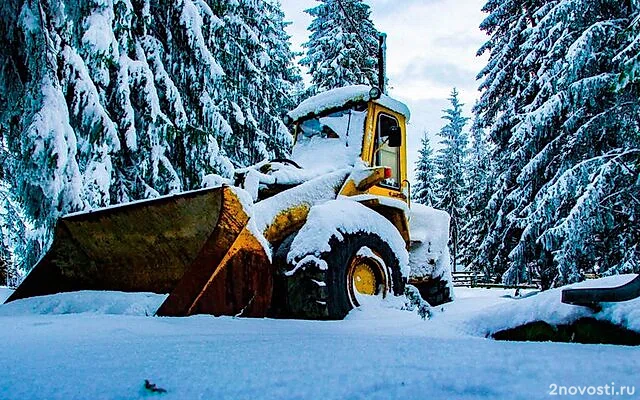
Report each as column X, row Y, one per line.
column 104, row 102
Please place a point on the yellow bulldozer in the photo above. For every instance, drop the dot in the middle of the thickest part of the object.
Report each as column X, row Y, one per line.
column 308, row 237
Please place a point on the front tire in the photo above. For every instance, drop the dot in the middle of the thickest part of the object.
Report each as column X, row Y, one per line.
column 329, row 286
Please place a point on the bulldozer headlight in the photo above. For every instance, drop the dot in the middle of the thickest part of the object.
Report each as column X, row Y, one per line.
column 375, row 93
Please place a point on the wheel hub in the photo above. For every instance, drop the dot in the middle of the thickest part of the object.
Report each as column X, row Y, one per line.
column 364, row 279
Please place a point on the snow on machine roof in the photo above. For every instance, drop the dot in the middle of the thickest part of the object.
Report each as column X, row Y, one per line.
column 337, row 98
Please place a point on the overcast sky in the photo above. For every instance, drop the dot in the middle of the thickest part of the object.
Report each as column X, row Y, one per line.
column 431, row 47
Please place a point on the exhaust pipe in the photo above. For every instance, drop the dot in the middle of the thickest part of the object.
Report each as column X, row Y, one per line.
column 382, row 61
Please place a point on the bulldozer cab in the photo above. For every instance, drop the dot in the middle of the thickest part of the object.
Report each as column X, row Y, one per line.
column 385, row 146
column 357, row 125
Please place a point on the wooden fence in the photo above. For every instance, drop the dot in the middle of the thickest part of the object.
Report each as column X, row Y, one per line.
column 475, row 280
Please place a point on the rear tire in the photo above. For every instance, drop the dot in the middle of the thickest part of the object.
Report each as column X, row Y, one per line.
column 316, row 292
column 435, row 291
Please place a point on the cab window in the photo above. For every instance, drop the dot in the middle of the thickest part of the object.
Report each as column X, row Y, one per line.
column 334, row 138
column 385, row 155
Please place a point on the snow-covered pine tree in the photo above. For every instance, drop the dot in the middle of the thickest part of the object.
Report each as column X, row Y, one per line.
column 44, row 169
column 9, row 115
column 3, row 268
column 6, row 236
column 500, row 110
column 284, row 79
column 566, row 141
column 479, row 185
column 175, row 62
column 13, row 237
column 451, row 161
column 343, row 45
column 628, row 92
column 424, row 187
column 259, row 79
column 117, row 100
column 629, row 56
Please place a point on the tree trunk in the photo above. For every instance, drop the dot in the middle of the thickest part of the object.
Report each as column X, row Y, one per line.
column 3, row 272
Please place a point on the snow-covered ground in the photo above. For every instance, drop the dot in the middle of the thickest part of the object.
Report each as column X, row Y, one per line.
column 81, row 346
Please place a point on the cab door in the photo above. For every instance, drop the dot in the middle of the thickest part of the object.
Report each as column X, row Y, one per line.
column 385, row 150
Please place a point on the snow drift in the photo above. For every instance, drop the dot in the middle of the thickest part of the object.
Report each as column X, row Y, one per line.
column 87, row 301
column 547, row 307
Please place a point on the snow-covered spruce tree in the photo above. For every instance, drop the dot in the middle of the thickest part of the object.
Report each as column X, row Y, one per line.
column 629, row 56
column 343, row 46
column 259, row 80
column 43, row 168
column 628, row 90
column 3, row 268
column 479, row 184
column 500, row 110
column 6, row 248
column 425, row 185
column 117, row 100
column 11, row 230
column 13, row 237
column 91, row 130
column 566, row 139
column 284, row 80
column 451, row 159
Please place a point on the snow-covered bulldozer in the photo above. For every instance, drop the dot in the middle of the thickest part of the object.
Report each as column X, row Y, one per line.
column 309, row 237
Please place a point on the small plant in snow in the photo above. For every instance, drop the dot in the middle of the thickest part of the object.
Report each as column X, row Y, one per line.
column 416, row 303
column 153, row 388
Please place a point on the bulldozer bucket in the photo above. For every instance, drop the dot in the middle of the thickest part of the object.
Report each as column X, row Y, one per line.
column 194, row 246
